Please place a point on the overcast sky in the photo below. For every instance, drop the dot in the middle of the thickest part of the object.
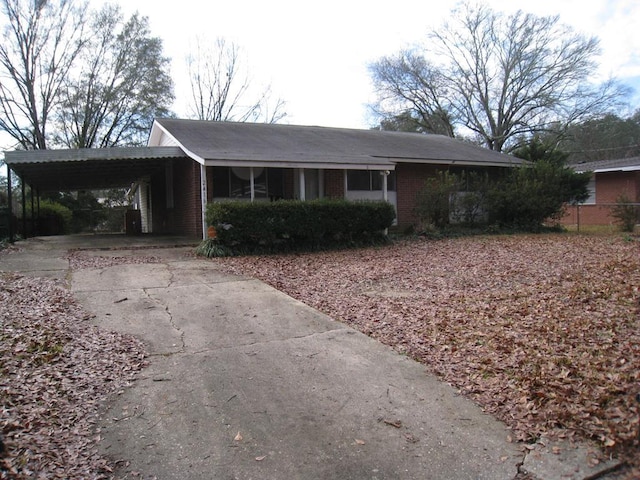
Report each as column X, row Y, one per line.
column 315, row 54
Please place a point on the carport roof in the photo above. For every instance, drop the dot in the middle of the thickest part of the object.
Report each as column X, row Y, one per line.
column 88, row 168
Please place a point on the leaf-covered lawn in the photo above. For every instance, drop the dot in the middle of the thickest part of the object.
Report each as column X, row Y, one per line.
column 542, row 331
column 56, row 371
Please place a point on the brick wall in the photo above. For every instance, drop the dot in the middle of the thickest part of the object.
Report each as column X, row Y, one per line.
column 410, row 179
column 334, row 183
column 186, row 217
column 159, row 221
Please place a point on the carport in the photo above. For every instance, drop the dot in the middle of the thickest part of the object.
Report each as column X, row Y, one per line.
column 91, row 169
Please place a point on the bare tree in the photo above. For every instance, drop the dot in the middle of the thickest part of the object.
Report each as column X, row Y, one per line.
column 499, row 77
column 415, row 91
column 220, row 87
column 121, row 84
column 41, row 40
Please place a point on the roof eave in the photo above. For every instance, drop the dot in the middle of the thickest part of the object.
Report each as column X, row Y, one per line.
column 308, row 164
column 23, row 157
column 616, row 169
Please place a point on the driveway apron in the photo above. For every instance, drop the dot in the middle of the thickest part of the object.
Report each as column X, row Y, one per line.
column 245, row 382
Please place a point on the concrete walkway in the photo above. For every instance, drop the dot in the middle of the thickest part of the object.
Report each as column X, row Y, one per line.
column 246, row 383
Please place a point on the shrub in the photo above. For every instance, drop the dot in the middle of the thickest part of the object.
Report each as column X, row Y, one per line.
column 433, row 202
column 625, row 213
column 531, row 194
column 55, row 219
column 289, row 225
column 450, row 198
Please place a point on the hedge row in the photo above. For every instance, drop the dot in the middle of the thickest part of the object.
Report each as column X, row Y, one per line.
column 291, row 225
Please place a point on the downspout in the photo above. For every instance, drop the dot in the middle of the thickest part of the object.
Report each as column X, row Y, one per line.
column 203, row 199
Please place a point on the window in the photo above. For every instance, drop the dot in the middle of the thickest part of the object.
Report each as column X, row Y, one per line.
column 591, row 187
column 369, row 180
column 235, row 182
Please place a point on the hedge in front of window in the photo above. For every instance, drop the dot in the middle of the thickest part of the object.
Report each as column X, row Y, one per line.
column 292, row 225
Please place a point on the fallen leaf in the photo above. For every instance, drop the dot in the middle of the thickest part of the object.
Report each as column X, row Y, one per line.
column 393, row 423
column 531, row 327
column 411, row 438
column 360, row 442
column 238, row 437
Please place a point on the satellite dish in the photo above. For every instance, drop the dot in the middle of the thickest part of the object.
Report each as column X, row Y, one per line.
column 244, row 173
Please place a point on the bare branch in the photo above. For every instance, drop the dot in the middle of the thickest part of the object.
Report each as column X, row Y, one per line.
column 40, row 44
column 498, row 77
column 120, row 86
column 220, row 85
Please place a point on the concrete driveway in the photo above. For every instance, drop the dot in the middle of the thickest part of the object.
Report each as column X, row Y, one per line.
column 246, row 383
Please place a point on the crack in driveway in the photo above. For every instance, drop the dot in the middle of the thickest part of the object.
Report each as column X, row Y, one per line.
column 170, row 318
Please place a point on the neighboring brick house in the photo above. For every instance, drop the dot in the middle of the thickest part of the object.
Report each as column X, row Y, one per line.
column 189, row 163
column 611, row 180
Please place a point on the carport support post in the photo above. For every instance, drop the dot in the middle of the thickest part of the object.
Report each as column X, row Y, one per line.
column 24, row 209
column 33, row 217
column 203, row 199
column 10, row 205
column 38, row 197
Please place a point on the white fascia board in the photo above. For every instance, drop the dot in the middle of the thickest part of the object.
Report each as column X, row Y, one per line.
column 298, row 164
column 618, row 169
column 158, row 137
column 449, row 162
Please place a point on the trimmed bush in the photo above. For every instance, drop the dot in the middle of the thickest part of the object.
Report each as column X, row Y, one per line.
column 291, row 225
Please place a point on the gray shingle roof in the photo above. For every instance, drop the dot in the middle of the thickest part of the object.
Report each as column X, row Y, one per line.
column 621, row 164
column 268, row 143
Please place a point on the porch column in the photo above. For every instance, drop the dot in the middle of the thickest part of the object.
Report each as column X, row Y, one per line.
column 252, row 184
column 346, row 183
column 320, row 183
column 385, row 193
column 301, row 181
column 203, row 199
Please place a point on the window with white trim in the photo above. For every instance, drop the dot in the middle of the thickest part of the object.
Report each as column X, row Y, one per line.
column 591, row 187
column 369, row 180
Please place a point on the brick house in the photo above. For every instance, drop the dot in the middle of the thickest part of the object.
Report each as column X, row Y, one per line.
column 189, row 163
column 611, row 179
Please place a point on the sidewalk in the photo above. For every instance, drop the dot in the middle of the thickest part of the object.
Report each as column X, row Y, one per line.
column 246, row 383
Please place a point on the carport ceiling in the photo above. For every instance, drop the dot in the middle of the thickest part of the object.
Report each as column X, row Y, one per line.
column 88, row 169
